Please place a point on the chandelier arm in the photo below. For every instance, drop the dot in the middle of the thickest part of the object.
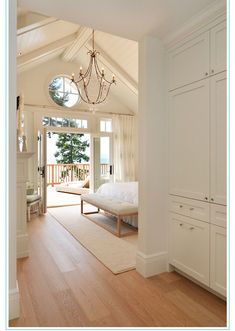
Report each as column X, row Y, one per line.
column 100, row 92
column 86, row 93
column 99, row 73
column 106, row 95
column 93, row 70
column 89, row 70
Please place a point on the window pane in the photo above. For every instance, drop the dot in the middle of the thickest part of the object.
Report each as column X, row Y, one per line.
column 102, row 126
column 63, row 91
column 72, row 123
column 53, row 121
column 78, row 123
column 65, row 122
column 59, row 122
column 108, row 126
column 45, row 121
column 84, row 124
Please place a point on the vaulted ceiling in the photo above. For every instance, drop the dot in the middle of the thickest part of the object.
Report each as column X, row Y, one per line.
column 59, row 29
column 41, row 38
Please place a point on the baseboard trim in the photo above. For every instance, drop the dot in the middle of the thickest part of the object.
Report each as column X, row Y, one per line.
column 14, row 303
column 150, row 265
column 22, row 245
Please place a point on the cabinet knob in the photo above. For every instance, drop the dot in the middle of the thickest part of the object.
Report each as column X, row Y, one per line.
column 212, row 199
column 191, row 228
column 181, row 224
column 206, row 73
column 212, row 71
column 191, row 208
column 206, row 198
column 181, row 206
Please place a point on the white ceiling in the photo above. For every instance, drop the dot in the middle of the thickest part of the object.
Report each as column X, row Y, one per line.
column 40, row 36
column 126, row 18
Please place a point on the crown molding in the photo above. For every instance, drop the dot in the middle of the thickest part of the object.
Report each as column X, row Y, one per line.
column 211, row 15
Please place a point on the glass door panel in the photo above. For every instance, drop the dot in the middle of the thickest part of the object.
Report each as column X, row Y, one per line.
column 102, row 167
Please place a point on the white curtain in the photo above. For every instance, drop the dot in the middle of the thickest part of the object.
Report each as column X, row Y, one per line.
column 124, row 148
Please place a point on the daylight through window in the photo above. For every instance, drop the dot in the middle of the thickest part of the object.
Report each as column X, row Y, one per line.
column 63, row 92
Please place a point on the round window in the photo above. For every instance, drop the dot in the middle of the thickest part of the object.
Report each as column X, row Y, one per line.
column 63, row 91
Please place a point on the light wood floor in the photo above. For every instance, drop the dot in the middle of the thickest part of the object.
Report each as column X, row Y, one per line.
column 63, row 285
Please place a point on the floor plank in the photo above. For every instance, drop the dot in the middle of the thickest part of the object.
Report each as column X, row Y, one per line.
column 63, row 285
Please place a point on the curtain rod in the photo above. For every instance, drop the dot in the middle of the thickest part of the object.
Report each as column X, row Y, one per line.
column 75, row 109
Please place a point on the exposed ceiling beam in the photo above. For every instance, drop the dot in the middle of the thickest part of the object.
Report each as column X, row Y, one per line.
column 46, row 51
column 36, row 25
column 83, row 36
column 116, row 69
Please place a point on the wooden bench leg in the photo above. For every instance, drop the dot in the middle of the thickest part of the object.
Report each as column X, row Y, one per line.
column 81, row 206
column 119, row 226
column 28, row 213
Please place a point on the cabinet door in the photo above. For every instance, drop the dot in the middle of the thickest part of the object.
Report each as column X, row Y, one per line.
column 218, row 259
column 218, row 48
column 218, row 139
column 189, row 62
column 189, row 247
column 189, row 141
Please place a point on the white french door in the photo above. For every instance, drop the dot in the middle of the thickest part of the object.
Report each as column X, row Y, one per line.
column 42, row 167
column 102, row 165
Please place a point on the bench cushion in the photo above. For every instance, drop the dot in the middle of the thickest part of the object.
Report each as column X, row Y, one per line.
column 33, row 197
column 112, row 205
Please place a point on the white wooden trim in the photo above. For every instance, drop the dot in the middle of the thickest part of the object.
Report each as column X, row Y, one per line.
column 14, row 303
column 152, row 264
column 22, row 245
column 36, row 25
column 83, row 36
column 38, row 55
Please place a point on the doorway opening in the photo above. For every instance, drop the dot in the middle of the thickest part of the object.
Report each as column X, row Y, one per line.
column 68, row 167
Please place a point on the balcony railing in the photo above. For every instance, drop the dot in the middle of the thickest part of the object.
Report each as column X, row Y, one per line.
column 60, row 173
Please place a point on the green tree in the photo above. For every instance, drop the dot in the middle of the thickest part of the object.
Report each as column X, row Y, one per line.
column 71, row 149
column 55, row 91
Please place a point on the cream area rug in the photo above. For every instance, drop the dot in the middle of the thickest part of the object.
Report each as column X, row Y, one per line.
column 117, row 254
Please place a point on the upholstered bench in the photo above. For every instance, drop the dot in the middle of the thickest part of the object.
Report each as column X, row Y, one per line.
column 110, row 205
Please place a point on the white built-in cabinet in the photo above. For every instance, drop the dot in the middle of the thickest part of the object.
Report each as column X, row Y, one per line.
column 218, row 249
column 197, row 157
column 189, row 246
column 218, row 135
column 218, row 54
column 189, row 62
column 189, row 150
column 198, row 58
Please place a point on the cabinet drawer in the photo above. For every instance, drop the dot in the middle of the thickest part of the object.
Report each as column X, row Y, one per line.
column 189, row 247
column 218, row 215
column 189, row 207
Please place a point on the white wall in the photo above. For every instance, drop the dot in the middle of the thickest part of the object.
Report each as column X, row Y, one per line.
column 11, row 162
column 152, row 244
